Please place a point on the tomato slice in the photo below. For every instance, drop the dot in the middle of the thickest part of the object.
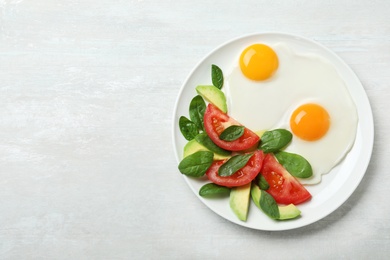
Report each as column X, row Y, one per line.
column 215, row 121
column 282, row 185
column 243, row 176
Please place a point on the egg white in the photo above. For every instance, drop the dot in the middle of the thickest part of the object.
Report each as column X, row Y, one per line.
column 300, row 78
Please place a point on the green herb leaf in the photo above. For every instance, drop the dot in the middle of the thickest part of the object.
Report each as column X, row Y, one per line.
column 216, row 76
column 212, row 189
column 205, row 140
column 196, row 164
column 269, row 205
column 273, row 141
column 295, row 164
column 263, row 184
column 232, row 133
column 188, row 129
column 197, row 109
column 234, row 164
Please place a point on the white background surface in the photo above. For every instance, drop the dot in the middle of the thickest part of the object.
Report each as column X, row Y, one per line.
column 87, row 91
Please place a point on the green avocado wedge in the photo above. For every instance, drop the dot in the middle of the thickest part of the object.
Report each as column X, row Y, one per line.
column 193, row 146
column 285, row 212
column 239, row 201
column 213, row 95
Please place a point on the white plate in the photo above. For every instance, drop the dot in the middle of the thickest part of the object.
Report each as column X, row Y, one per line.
column 336, row 187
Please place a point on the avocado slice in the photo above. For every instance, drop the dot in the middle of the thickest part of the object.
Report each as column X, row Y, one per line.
column 286, row 212
column 239, row 201
column 193, row 146
column 213, row 95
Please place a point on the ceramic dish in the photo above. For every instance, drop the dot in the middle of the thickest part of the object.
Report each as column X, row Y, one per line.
column 336, row 186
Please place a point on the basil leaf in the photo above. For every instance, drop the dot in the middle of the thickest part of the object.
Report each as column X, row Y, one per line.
column 188, row 129
column 212, row 189
column 269, row 205
column 262, row 182
column 197, row 109
column 234, row 164
column 196, row 164
column 205, row 140
column 273, row 141
column 232, row 133
column 216, row 76
column 295, row 164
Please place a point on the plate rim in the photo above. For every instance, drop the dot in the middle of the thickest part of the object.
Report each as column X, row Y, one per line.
column 368, row 142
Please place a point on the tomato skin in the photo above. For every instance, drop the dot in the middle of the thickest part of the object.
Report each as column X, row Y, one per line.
column 242, row 176
column 283, row 187
column 215, row 122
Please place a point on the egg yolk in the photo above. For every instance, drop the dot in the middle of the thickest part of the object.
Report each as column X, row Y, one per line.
column 310, row 122
column 258, row 62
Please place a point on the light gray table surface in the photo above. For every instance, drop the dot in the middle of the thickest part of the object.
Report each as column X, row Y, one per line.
column 87, row 93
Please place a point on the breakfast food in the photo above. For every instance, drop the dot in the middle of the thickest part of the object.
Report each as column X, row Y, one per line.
column 306, row 96
column 278, row 120
column 258, row 62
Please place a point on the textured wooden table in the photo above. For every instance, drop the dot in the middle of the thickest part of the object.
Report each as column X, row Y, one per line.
column 87, row 91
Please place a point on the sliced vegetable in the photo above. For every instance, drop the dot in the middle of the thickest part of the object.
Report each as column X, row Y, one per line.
column 193, row 146
column 288, row 212
column 213, row 95
column 215, row 122
column 239, row 201
column 285, row 212
column 242, row 176
column 283, row 187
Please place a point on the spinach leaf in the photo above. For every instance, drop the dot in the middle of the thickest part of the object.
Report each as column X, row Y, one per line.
column 263, row 184
column 188, row 129
column 216, row 76
column 232, row 133
column 273, row 141
column 295, row 164
column 197, row 109
column 234, row 164
column 212, row 189
column 205, row 140
column 269, row 205
column 196, row 164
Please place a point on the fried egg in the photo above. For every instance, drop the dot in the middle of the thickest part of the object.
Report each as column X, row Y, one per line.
column 301, row 92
